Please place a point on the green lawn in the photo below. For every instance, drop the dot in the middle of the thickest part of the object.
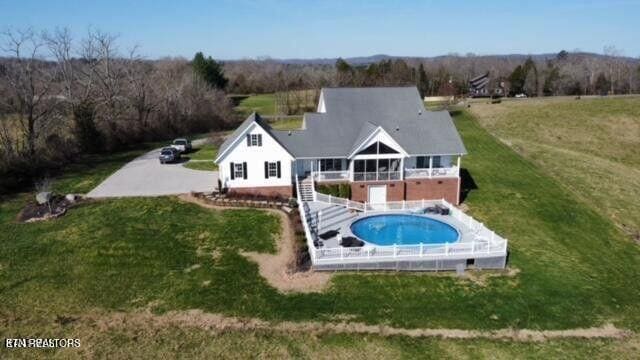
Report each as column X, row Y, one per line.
column 203, row 156
column 208, row 165
column 576, row 268
column 264, row 104
column 591, row 146
column 287, row 123
column 575, row 265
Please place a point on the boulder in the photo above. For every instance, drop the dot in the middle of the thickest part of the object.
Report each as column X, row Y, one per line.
column 71, row 198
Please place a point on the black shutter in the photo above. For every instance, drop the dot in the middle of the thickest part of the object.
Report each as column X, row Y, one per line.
column 278, row 169
column 248, row 139
column 244, row 170
column 266, row 169
column 259, row 139
column 232, row 171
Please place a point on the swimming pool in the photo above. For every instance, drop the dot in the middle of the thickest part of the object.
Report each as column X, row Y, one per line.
column 402, row 229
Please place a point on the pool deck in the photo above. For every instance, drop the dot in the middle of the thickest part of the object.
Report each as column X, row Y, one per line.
column 337, row 218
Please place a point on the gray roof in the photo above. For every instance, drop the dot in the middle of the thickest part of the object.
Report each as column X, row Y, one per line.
column 352, row 114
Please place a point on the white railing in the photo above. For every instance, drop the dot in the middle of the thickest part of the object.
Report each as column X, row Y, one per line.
column 485, row 243
column 303, row 209
column 377, row 176
column 399, row 205
column 475, row 248
column 433, row 172
column 329, row 199
column 332, row 175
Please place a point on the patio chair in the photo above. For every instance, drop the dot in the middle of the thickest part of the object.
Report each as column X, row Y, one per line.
column 329, row 234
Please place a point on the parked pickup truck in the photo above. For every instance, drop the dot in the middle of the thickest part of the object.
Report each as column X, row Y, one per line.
column 182, row 145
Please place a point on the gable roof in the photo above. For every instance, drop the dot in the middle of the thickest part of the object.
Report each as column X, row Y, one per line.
column 238, row 133
column 353, row 114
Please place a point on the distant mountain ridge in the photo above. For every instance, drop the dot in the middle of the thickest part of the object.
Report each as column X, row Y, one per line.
column 365, row 60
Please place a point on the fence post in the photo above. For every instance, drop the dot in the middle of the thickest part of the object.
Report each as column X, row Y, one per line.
column 365, row 207
column 421, row 249
column 446, row 249
column 395, row 250
column 341, row 253
column 473, row 246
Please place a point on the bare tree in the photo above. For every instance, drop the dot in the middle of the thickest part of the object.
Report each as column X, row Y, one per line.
column 29, row 81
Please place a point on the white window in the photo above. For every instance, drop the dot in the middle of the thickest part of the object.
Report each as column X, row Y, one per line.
column 273, row 169
column 437, row 161
column 238, row 171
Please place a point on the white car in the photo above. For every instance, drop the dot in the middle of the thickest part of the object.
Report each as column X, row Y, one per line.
column 520, row 96
column 182, row 145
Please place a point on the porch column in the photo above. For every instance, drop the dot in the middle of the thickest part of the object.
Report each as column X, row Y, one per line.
column 459, row 165
column 430, row 166
column 351, row 170
column 401, row 168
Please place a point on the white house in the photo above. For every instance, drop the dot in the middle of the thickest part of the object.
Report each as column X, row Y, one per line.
column 381, row 141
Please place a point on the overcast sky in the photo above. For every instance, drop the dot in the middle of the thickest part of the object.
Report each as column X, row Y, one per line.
column 314, row 29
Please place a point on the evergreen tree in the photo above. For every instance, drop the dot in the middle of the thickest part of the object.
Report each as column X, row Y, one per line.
column 209, row 70
column 516, row 80
column 602, row 84
column 422, row 81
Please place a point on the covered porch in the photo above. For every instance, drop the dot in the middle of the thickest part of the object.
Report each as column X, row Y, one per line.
column 379, row 168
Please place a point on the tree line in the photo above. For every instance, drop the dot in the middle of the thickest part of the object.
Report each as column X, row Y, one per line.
column 564, row 73
column 61, row 97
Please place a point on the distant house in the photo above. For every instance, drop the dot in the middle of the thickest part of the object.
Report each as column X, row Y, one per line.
column 479, row 86
column 380, row 141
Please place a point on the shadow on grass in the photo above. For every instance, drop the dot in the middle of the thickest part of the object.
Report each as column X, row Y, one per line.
column 468, row 184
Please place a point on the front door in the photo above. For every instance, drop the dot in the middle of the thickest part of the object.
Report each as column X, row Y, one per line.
column 377, row 194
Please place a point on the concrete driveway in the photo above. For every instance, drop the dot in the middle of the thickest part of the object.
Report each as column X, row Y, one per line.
column 145, row 176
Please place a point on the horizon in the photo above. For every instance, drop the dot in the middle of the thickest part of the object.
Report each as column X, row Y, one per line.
column 285, row 30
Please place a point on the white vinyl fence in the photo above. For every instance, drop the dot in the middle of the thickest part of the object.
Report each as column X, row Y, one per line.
column 485, row 242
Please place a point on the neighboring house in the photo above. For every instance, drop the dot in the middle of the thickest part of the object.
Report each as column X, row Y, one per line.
column 381, row 141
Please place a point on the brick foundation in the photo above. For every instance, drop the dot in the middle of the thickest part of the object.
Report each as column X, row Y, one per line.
column 282, row 191
column 418, row 189
column 430, row 189
column 360, row 190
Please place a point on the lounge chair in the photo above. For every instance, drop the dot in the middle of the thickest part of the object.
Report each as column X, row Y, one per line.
column 328, row 234
column 351, row 241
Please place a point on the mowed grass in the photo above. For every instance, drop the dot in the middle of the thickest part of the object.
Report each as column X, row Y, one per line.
column 287, row 123
column 203, row 155
column 264, row 104
column 575, row 268
column 591, row 146
column 166, row 342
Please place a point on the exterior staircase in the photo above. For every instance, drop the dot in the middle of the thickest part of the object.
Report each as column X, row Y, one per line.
column 306, row 189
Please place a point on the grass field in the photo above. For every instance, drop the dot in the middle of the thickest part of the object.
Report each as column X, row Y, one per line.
column 591, row 146
column 287, row 123
column 264, row 104
column 576, row 269
column 203, row 155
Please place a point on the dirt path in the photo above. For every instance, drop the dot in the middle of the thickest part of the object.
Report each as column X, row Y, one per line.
column 220, row 323
column 277, row 268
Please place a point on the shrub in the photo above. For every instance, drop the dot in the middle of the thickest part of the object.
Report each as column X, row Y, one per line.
column 337, row 190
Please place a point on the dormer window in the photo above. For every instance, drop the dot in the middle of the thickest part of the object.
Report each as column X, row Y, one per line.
column 254, row 140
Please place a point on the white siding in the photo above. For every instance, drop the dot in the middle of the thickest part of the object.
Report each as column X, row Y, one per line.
column 255, row 156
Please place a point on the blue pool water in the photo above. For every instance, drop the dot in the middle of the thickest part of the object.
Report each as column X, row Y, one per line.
column 402, row 229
